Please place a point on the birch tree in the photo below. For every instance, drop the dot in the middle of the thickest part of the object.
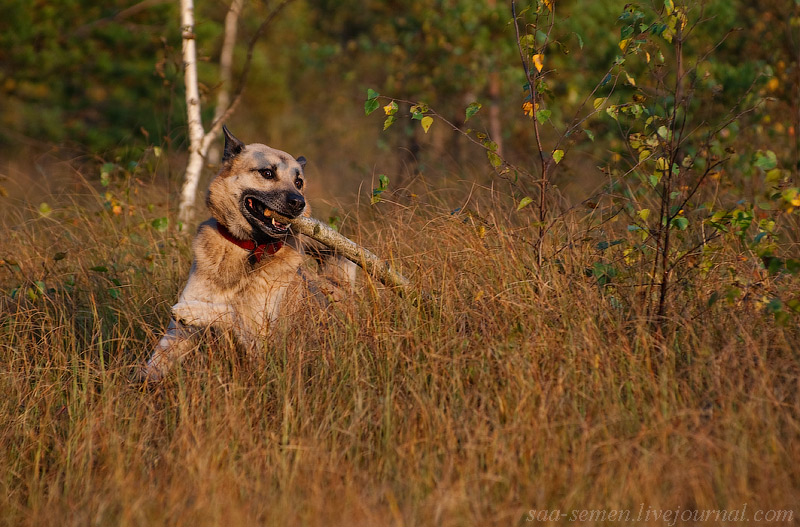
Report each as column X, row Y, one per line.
column 200, row 141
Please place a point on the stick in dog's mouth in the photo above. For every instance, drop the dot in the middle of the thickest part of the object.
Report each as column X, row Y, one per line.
column 260, row 210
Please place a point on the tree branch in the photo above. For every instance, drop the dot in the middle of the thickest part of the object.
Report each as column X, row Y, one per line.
column 357, row 254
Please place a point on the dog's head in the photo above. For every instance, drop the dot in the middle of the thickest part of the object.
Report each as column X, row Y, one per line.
column 254, row 182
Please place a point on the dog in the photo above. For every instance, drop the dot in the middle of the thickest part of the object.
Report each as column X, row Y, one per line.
column 248, row 268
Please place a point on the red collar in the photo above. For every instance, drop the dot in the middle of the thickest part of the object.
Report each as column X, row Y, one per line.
column 256, row 250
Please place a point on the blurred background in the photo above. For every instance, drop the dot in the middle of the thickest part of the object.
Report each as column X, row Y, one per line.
column 87, row 85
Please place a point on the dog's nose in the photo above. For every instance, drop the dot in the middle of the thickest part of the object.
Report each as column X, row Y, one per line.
column 295, row 202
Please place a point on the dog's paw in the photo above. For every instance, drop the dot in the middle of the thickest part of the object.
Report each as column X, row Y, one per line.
column 147, row 375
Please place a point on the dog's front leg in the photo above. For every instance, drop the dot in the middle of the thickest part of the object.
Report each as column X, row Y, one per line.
column 177, row 342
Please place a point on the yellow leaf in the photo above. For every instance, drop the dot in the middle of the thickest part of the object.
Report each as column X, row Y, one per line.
column 390, row 109
column 647, row 56
column 644, row 214
column 631, row 80
column 478, row 296
column 549, row 4
column 538, row 61
column 773, row 176
column 426, row 122
column 624, row 44
column 683, row 19
column 558, row 155
column 792, row 196
column 527, row 109
column 598, row 102
column 773, row 84
column 630, row 256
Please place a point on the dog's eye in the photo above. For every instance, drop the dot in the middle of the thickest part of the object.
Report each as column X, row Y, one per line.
column 298, row 183
column 266, row 173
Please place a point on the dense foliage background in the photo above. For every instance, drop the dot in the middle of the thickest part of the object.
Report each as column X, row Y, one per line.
column 105, row 78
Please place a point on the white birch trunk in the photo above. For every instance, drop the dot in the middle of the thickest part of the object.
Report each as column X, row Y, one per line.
column 195, row 124
column 199, row 140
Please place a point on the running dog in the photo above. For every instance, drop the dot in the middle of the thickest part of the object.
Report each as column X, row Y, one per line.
column 248, row 267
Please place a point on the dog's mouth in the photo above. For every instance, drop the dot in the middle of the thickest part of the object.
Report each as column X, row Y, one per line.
column 260, row 216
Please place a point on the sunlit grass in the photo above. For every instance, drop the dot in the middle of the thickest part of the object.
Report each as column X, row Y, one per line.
column 515, row 388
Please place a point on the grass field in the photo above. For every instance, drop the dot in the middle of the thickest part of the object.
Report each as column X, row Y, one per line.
column 519, row 388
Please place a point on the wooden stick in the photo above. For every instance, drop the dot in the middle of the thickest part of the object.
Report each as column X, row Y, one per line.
column 346, row 247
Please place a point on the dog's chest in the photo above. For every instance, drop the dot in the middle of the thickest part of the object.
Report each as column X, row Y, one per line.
column 247, row 306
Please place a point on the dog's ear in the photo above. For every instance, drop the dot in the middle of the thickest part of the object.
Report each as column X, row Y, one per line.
column 302, row 161
column 232, row 145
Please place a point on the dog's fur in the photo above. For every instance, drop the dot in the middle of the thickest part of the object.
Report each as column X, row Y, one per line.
column 230, row 286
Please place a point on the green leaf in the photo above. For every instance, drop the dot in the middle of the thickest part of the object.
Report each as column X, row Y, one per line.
column 558, row 155
column 99, row 269
column 580, row 40
column 59, row 256
column 426, row 123
column 372, row 94
column 389, row 121
column 494, row 159
column 44, row 209
column 528, row 42
column 543, row 115
column 524, row 202
column 680, row 222
column 626, row 32
column 371, row 105
column 766, row 160
column 160, row 224
column 472, row 109
column 589, row 134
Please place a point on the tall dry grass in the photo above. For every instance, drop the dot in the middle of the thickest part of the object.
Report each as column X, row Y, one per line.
column 517, row 388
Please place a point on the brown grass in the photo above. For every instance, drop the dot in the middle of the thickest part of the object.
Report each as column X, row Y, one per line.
column 516, row 389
